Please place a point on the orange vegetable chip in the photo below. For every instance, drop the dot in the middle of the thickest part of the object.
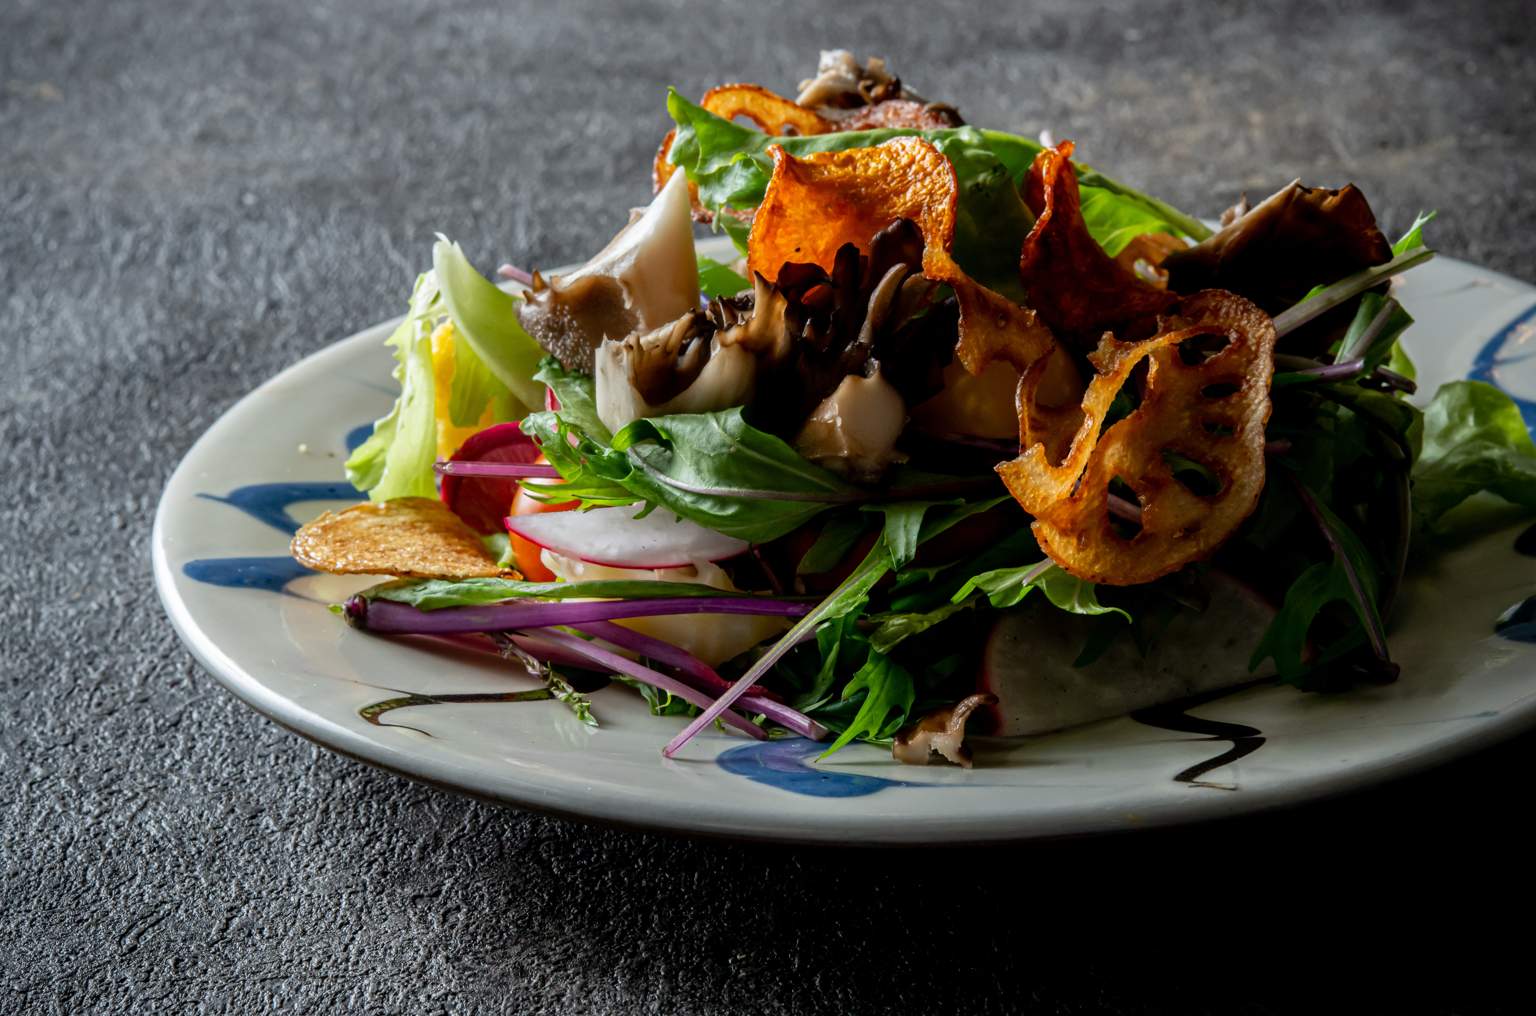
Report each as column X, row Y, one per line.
column 815, row 205
column 1212, row 412
column 1077, row 289
column 772, row 114
column 412, row 537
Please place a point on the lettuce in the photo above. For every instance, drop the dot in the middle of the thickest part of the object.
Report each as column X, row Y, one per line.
column 493, row 368
column 1474, row 439
column 484, row 316
column 396, row 460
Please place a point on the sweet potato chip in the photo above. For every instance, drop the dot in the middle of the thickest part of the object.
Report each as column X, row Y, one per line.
column 1211, row 412
column 815, row 205
column 412, row 537
column 1077, row 289
column 772, row 114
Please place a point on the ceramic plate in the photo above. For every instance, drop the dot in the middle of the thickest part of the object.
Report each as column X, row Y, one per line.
column 455, row 719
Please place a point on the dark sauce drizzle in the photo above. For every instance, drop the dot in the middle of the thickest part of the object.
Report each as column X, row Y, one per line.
column 1173, row 716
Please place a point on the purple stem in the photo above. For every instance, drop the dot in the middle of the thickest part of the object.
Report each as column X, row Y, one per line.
column 869, row 569
column 1372, row 625
column 1335, row 371
column 516, row 274
column 1121, row 508
column 1277, row 447
column 516, row 469
column 1006, row 447
column 694, row 672
column 389, row 617
column 620, row 665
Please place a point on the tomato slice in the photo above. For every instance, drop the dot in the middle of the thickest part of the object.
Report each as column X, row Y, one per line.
column 525, row 553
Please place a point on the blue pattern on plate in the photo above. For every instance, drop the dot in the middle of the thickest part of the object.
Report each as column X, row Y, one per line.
column 787, row 765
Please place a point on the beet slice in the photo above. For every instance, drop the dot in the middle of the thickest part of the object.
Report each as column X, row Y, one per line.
column 484, row 501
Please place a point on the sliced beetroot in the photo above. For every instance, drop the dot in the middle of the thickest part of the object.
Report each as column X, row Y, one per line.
column 483, row 501
column 616, row 538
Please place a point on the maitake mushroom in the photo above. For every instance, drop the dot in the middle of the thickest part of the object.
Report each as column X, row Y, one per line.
column 941, row 731
column 646, row 277
column 865, row 97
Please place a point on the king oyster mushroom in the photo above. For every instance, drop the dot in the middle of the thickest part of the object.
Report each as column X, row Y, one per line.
column 645, row 278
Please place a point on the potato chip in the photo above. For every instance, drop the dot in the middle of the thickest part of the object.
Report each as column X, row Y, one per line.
column 1077, row 289
column 815, row 205
column 412, row 537
column 1211, row 412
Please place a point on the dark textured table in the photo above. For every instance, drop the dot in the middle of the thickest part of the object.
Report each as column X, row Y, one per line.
column 195, row 194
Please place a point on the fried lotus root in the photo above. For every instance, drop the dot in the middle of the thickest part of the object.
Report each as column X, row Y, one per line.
column 1078, row 290
column 772, row 113
column 815, row 205
column 412, row 537
column 1211, row 412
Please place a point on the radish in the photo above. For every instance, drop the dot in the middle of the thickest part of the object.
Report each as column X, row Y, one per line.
column 1027, row 663
column 615, row 538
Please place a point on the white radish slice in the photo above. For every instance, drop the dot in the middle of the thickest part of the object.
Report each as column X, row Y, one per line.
column 614, row 537
column 1029, row 656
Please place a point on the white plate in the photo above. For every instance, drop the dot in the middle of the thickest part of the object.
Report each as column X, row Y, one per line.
column 261, row 626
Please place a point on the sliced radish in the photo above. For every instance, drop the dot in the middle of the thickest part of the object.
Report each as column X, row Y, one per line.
column 1028, row 662
column 482, row 501
column 614, row 537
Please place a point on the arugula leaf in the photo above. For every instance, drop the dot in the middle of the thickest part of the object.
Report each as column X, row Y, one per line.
column 577, row 393
column 396, row 460
column 716, row 279
column 593, row 472
column 832, row 639
column 484, row 316
column 1474, row 439
column 721, row 452
column 1323, row 583
column 840, row 533
column 896, row 628
column 1007, row 587
column 889, row 694
column 434, row 594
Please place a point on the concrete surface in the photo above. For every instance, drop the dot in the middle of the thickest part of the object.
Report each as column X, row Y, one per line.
column 194, row 194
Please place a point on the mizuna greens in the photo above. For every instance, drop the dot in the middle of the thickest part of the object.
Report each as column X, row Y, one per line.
column 894, row 585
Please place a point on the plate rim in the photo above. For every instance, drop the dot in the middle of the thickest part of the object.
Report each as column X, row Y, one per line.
column 1195, row 810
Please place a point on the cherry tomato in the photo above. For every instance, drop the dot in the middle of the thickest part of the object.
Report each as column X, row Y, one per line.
column 525, row 553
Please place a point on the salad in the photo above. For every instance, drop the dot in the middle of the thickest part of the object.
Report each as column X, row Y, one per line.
column 970, row 436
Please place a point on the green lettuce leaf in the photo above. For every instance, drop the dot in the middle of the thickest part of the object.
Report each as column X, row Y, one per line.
column 474, row 387
column 396, row 460
column 483, row 315
column 1474, row 439
column 1414, row 237
column 716, row 279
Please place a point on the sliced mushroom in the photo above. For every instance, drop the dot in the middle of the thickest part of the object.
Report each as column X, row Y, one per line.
column 842, row 84
column 853, row 431
column 646, row 277
column 941, row 731
column 684, row 367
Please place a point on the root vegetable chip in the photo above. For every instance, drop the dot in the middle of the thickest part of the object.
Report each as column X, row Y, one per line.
column 1211, row 412
column 1077, row 289
column 815, row 205
column 412, row 537
column 772, row 113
